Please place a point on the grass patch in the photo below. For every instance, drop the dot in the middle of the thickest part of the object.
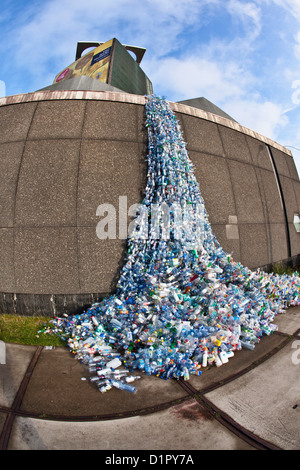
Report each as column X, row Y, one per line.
column 280, row 268
column 24, row 330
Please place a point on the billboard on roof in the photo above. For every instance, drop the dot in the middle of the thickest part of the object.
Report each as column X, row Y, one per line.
column 94, row 64
column 110, row 63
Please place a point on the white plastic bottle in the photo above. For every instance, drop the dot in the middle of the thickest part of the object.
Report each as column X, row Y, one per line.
column 224, row 357
column 217, row 359
column 204, row 358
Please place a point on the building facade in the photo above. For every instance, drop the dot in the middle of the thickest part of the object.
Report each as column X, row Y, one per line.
column 63, row 153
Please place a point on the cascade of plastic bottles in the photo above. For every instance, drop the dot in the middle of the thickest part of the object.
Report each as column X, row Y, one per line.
column 182, row 303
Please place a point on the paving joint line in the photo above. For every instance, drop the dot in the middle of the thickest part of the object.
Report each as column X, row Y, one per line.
column 108, row 417
column 225, row 420
column 7, row 428
column 222, row 417
column 249, row 367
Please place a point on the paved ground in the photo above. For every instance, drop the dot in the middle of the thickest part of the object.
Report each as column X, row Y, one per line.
column 253, row 402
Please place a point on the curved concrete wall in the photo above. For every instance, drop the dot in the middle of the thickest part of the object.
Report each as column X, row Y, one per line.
column 62, row 154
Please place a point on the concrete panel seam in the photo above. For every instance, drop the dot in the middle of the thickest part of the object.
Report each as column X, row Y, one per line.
column 249, row 150
column 280, row 190
column 16, row 191
column 227, row 155
column 232, row 229
column 293, row 188
column 56, row 139
column 77, row 192
column 7, row 429
column 231, row 182
column 266, row 215
column 190, row 148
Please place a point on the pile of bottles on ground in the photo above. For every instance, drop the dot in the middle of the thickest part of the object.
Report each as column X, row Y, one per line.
column 182, row 303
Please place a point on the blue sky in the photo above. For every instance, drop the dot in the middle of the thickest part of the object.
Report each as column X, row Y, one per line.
column 243, row 55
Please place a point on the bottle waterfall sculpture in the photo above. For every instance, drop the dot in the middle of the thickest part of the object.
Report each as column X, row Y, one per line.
column 181, row 300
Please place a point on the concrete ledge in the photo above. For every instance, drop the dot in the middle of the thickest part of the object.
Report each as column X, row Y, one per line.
column 48, row 305
column 135, row 99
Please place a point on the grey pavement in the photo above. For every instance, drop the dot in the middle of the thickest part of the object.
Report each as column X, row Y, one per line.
column 253, row 402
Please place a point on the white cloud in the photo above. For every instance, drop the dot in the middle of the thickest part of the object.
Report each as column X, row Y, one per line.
column 264, row 117
column 226, row 67
column 296, row 92
column 220, row 71
column 248, row 13
column 60, row 22
column 292, row 6
column 297, row 45
column 193, row 76
column 48, row 37
column 224, row 83
column 56, row 26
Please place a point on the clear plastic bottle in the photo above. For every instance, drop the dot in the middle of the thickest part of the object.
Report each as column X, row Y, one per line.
column 123, row 386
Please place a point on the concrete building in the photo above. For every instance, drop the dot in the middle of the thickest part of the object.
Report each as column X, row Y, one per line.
column 63, row 152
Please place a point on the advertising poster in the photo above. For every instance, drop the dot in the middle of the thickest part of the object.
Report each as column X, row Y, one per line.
column 94, row 64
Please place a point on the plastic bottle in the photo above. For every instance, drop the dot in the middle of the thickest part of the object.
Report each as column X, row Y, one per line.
column 114, row 363
column 210, row 358
column 123, row 386
column 204, row 358
column 247, row 345
column 132, row 378
column 224, row 357
column 105, row 388
column 186, row 374
column 217, row 360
